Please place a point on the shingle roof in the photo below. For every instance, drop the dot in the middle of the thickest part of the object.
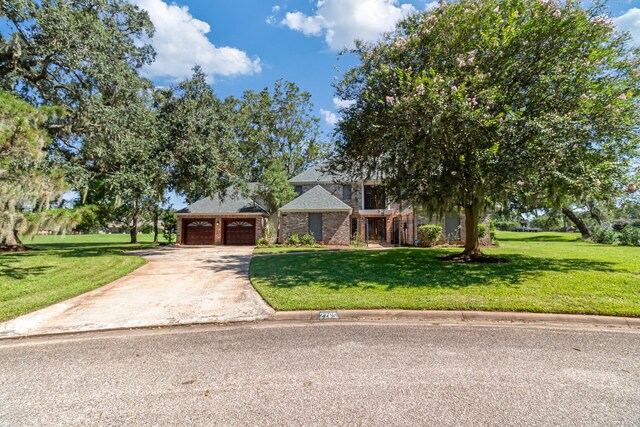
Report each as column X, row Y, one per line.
column 318, row 173
column 233, row 202
column 316, row 200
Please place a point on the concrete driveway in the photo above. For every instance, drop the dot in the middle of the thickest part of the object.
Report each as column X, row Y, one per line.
column 176, row 286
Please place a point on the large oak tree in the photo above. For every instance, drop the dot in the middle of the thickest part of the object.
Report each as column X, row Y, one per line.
column 479, row 101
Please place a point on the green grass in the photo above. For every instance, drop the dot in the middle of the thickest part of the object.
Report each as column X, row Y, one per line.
column 62, row 267
column 547, row 272
column 289, row 249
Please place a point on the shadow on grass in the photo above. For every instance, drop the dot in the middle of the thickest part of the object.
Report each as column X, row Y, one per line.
column 534, row 237
column 9, row 269
column 406, row 268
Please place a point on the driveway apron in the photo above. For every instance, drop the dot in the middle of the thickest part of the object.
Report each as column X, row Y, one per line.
column 176, row 286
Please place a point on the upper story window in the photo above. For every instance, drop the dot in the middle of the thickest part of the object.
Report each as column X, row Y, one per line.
column 374, row 197
column 298, row 189
column 346, row 192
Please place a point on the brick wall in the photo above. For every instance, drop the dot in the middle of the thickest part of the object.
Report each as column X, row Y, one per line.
column 335, row 226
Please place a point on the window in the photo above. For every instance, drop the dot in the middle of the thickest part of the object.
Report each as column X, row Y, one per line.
column 354, row 226
column 298, row 189
column 374, row 197
column 346, row 192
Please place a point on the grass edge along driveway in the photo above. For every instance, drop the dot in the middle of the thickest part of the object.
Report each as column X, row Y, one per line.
column 547, row 272
column 62, row 267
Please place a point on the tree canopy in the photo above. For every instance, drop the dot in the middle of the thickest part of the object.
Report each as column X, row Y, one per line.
column 476, row 102
column 28, row 182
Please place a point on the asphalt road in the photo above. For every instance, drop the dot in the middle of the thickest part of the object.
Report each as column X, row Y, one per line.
column 325, row 374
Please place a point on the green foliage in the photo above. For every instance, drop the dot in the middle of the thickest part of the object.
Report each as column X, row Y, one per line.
column 492, row 231
column 89, row 221
column 199, row 137
column 506, row 225
column 604, row 235
column 68, row 53
column 630, row 236
column 279, row 126
column 307, row 240
column 274, row 188
column 146, row 229
column 262, row 242
column 493, row 101
column 356, row 240
column 294, row 239
column 170, row 224
column 547, row 223
column 429, row 234
column 482, row 230
column 29, row 182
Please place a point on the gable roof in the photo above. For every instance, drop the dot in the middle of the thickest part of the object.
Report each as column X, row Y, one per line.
column 318, row 173
column 316, row 200
column 232, row 203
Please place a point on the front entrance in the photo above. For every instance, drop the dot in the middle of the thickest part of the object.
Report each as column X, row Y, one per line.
column 199, row 231
column 377, row 229
column 240, row 231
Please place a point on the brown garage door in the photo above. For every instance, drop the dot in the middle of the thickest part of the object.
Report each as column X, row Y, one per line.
column 199, row 232
column 240, row 231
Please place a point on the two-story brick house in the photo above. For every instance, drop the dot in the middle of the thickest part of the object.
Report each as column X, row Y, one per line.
column 332, row 208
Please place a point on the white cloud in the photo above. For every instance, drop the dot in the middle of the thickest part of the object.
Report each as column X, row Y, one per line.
column 343, row 21
column 342, row 103
column 181, row 43
column 630, row 21
column 329, row 116
column 431, row 5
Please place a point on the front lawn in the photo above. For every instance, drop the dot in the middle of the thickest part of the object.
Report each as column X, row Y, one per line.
column 62, row 267
column 548, row 272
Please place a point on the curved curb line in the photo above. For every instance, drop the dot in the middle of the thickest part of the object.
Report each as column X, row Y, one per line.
column 459, row 316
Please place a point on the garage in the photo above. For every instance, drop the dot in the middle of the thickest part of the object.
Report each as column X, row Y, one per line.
column 240, row 231
column 199, row 232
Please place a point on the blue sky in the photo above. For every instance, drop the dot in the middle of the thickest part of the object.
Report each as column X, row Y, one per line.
column 249, row 44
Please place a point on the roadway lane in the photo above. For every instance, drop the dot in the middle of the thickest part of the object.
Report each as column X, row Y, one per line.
column 325, row 374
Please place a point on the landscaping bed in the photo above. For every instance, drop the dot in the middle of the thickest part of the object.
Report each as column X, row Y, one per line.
column 546, row 272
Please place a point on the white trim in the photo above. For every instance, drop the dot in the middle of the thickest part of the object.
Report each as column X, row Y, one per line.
column 376, row 212
column 314, row 210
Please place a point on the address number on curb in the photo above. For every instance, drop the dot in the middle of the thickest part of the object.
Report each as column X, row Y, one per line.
column 329, row 315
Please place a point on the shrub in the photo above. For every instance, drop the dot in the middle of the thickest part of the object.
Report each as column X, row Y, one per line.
column 429, row 234
column 506, row 225
column 356, row 239
column 307, row 239
column 170, row 224
column 146, row 229
column 482, row 231
column 547, row 223
column 619, row 224
column 263, row 242
column 294, row 239
column 492, row 231
column 630, row 236
column 604, row 235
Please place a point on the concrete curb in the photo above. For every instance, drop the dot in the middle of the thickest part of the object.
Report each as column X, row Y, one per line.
column 458, row 316
column 346, row 316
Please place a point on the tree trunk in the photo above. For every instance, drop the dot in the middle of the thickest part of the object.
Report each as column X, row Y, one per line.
column 584, row 230
column 471, row 241
column 155, row 224
column 134, row 224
